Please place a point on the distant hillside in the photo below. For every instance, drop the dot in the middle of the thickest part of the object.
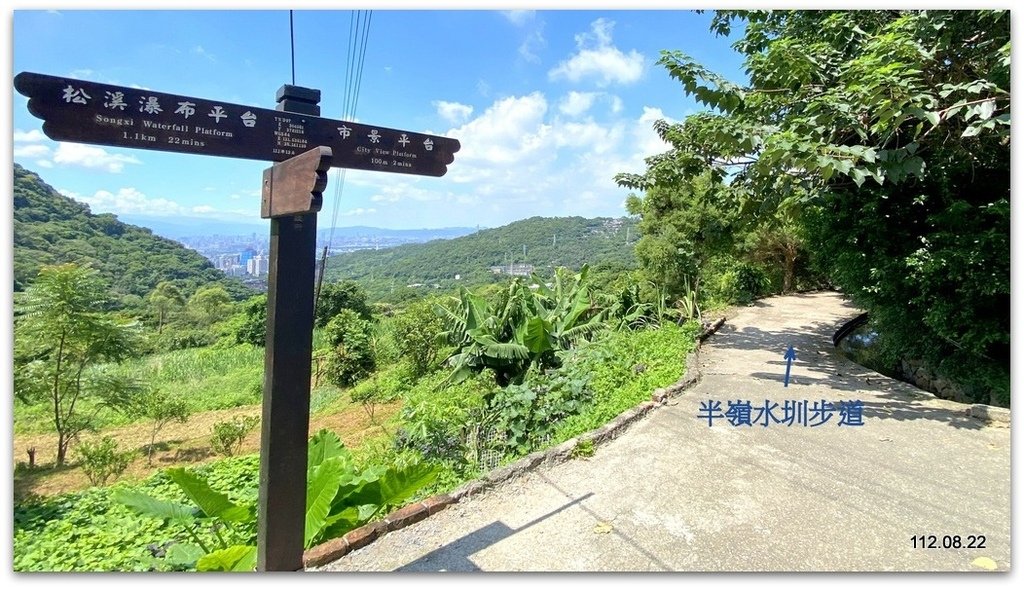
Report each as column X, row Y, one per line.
column 182, row 229
column 403, row 234
column 50, row 228
column 179, row 226
column 549, row 243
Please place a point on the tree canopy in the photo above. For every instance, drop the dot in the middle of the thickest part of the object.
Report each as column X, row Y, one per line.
column 884, row 136
column 50, row 228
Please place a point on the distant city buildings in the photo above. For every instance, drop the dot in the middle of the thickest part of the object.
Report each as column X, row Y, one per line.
column 258, row 265
column 246, row 263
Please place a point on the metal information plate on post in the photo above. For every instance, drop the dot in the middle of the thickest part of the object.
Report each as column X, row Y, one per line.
column 306, row 146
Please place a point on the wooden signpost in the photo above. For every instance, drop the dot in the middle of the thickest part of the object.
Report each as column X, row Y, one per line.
column 306, row 147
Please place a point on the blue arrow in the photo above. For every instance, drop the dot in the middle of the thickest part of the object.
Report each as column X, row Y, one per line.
column 790, row 356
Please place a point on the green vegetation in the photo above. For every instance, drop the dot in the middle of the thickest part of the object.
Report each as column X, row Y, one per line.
column 203, row 378
column 549, row 243
column 870, row 148
column 51, row 229
column 205, row 518
column 868, row 152
column 228, row 435
column 101, row 460
column 60, row 334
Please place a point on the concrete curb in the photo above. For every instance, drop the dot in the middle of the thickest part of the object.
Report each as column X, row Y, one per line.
column 989, row 413
column 336, row 548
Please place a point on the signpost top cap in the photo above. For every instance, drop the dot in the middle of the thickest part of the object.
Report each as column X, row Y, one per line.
column 287, row 91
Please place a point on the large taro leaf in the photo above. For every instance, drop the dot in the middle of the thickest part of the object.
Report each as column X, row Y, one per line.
column 350, row 518
column 185, row 555
column 146, row 505
column 321, row 487
column 232, row 558
column 393, row 487
column 325, row 445
column 212, row 503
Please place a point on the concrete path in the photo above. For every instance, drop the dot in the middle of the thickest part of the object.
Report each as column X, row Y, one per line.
column 673, row 494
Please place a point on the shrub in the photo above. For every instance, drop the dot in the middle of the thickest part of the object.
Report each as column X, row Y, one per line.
column 527, row 414
column 445, row 424
column 101, row 460
column 229, row 435
column 351, row 356
column 748, row 283
column 416, row 329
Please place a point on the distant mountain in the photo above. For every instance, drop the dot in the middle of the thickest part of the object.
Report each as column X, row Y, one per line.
column 186, row 227
column 50, row 228
column 177, row 227
column 413, row 235
column 541, row 242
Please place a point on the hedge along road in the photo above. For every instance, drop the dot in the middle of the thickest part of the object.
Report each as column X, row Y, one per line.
column 675, row 494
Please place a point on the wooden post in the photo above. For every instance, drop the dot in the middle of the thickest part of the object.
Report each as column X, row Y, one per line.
column 285, row 426
column 291, row 199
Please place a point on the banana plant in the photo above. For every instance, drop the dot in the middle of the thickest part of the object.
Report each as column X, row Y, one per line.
column 523, row 327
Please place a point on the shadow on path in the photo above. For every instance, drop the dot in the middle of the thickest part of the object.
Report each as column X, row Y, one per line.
column 454, row 557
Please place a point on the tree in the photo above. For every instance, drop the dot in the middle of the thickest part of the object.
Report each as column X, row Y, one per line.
column 351, row 356
column 165, row 298
column 682, row 227
column 209, row 304
column 335, row 296
column 138, row 402
column 520, row 327
column 61, row 331
column 885, row 135
column 416, row 330
column 250, row 326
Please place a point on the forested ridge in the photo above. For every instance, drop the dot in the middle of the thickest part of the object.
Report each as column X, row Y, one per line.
column 50, row 228
column 549, row 242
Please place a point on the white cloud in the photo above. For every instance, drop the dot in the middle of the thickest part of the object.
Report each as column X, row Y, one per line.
column 83, row 74
column 648, row 141
column 453, row 112
column 203, row 209
column 483, row 88
column 576, row 103
column 44, row 163
column 519, row 17
column 509, row 130
column 33, row 136
column 127, row 201
column 35, row 150
column 392, row 191
column 198, row 50
column 616, row 104
column 87, row 156
column 533, row 43
column 597, row 58
column 358, row 212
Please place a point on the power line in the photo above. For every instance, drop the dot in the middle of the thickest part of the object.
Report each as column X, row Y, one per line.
column 359, row 33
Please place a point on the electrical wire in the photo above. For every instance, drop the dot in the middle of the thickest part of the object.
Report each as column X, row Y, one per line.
column 359, row 33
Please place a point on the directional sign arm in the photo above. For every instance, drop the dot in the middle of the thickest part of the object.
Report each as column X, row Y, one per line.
column 117, row 116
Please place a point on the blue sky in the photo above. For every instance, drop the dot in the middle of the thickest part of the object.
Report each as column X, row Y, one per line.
column 548, row 105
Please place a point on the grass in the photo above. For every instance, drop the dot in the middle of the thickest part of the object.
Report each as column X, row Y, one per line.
column 207, row 378
column 182, row 444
